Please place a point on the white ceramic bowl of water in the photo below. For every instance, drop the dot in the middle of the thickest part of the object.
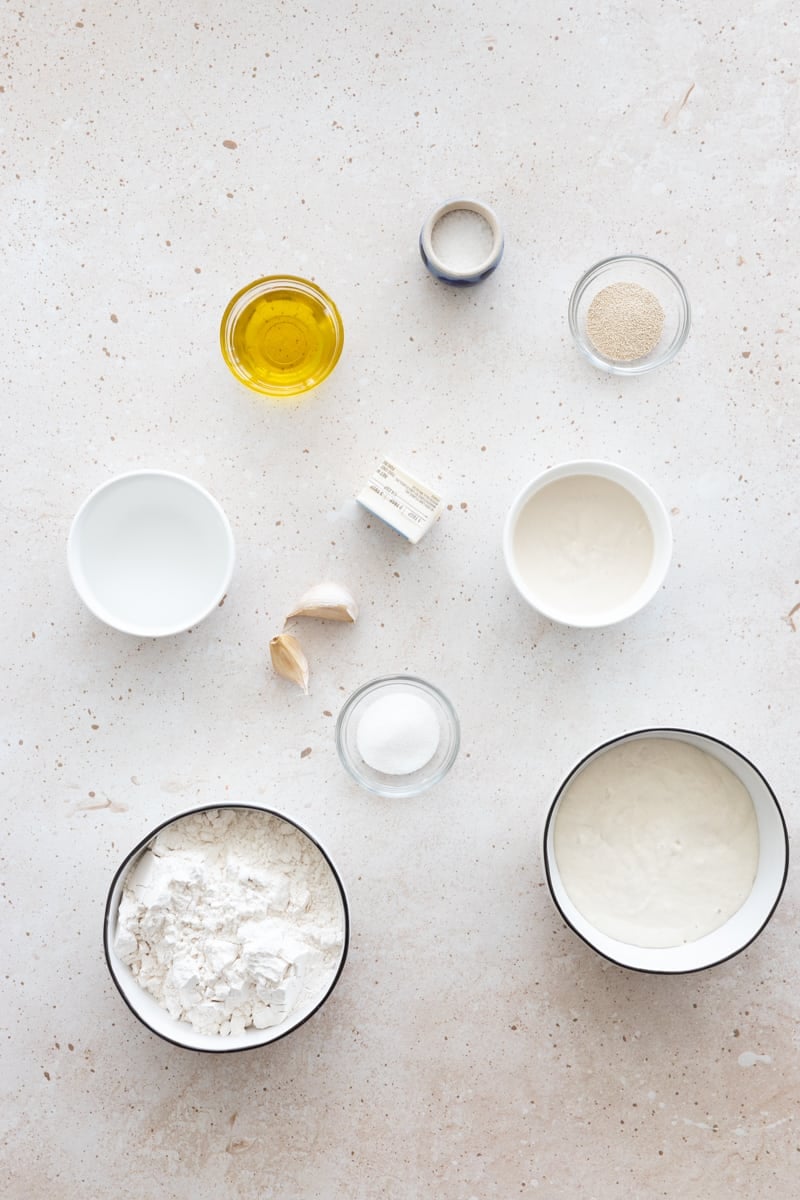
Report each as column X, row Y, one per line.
column 151, row 553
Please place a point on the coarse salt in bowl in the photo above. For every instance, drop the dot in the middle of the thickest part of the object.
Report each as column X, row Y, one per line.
column 397, row 736
column 461, row 242
column 322, row 884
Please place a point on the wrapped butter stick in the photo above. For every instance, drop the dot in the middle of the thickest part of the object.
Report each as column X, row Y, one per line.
column 401, row 500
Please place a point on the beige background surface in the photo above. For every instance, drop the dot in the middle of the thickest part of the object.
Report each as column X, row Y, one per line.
column 155, row 157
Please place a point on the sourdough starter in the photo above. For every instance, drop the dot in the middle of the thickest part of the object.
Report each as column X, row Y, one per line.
column 656, row 842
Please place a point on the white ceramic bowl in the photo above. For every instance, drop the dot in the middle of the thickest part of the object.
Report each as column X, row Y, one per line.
column 151, row 553
column 461, row 276
column 744, row 925
column 149, row 1011
column 658, row 520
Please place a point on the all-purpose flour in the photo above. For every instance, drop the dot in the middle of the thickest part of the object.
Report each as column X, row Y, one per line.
column 231, row 918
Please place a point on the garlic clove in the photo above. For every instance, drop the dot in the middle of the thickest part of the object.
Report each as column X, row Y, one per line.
column 328, row 602
column 288, row 660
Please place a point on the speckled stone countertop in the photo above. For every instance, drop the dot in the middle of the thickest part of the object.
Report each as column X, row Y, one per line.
column 156, row 157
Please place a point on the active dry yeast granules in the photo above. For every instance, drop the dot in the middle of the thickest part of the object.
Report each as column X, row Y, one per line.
column 624, row 322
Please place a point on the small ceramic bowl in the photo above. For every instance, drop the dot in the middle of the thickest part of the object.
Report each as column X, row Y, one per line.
column 401, row 785
column 151, row 553
column 579, row 613
column 743, row 926
column 655, row 278
column 146, row 1008
column 461, row 263
column 281, row 336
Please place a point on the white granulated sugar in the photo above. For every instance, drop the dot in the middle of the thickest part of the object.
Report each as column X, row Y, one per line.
column 231, row 918
column 462, row 239
column 398, row 734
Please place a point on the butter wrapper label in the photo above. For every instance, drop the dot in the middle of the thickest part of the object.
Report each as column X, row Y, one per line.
column 401, row 500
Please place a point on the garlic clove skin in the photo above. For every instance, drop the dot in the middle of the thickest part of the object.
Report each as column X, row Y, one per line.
column 288, row 660
column 327, row 602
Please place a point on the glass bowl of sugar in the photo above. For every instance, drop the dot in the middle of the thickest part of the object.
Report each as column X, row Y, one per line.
column 629, row 314
column 397, row 736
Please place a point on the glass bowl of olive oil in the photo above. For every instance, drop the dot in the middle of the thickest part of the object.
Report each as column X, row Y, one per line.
column 281, row 335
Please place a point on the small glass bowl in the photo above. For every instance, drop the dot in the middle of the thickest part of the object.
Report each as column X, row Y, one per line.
column 416, row 782
column 281, row 335
column 649, row 274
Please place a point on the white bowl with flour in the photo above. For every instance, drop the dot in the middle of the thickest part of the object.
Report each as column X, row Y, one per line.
column 587, row 543
column 226, row 928
column 666, row 851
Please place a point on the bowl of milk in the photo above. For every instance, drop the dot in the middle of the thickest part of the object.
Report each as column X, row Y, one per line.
column 587, row 543
column 666, row 850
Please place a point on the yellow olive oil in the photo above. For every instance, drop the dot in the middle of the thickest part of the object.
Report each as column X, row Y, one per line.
column 285, row 339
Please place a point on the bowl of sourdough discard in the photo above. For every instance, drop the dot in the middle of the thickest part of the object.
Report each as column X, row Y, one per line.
column 666, row 851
